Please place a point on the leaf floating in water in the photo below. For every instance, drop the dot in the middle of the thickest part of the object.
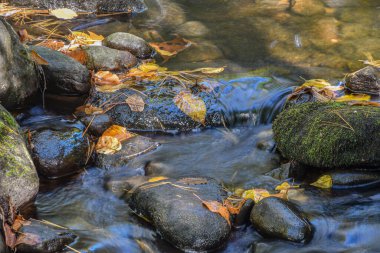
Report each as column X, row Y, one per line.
column 38, row 58
column 157, row 179
column 353, row 97
column 108, row 145
column 63, row 13
column 324, row 182
column 171, row 48
column 191, row 105
column 216, row 207
column 118, row 132
column 136, row 103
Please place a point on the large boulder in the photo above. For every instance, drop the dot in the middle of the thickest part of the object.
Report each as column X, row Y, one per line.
column 63, row 74
column 365, row 80
column 329, row 135
column 18, row 176
column 276, row 218
column 59, row 148
column 18, row 75
column 135, row 6
column 175, row 209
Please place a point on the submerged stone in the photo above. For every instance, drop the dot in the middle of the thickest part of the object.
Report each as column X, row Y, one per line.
column 18, row 75
column 18, row 176
column 330, row 135
column 274, row 217
column 175, row 209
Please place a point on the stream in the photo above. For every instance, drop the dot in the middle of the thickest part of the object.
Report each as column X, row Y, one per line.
column 267, row 48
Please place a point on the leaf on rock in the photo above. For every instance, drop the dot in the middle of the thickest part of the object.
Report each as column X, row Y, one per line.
column 10, row 236
column 234, row 208
column 38, row 58
column 19, row 223
column 157, row 179
column 216, row 207
column 82, row 38
column 77, row 54
column 258, row 194
column 24, row 36
column 52, row 44
column 28, row 238
column 353, row 97
column 324, row 182
column 102, row 78
column 136, row 103
column 171, row 48
column 286, row 186
column 191, row 105
column 63, row 13
column 89, row 109
column 108, row 145
column 118, row 132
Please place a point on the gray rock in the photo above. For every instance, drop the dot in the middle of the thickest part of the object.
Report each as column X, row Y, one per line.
column 59, row 148
column 131, row 148
column 18, row 75
column 104, row 58
column 354, row 179
column 97, row 124
column 175, row 210
column 129, row 42
column 276, row 218
column 63, row 75
column 135, row 6
column 365, row 80
column 49, row 239
column 18, row 176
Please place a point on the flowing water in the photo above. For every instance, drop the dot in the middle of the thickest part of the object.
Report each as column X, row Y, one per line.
column 262, row 37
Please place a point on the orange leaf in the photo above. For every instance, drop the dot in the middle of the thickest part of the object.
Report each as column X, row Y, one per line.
column 19, row 223
column 38, row 58
column 234, row 209
column 10, row 236
column 156, row 179
column 101, row 78
column 216, row 207
column 77, row 54
column 24, row 36
column 52, row 44
column 171, row 48
column 118, row 132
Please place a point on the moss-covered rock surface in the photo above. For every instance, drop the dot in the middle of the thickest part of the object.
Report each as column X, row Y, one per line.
column 18, row 176
column 330, row 135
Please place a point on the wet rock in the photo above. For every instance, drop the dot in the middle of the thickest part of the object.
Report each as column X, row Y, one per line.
column 18, row 75
column 243, row 216
column 18, row 176
column 354, row 179
column 365, row 80
column 3, row 247
column 119, row 185
column 192, row 29
column 179, row 216
column 63, row 104
column 136, row 6
column 131, row 148
column 59, row 148
column 63, row 74
column 329, row 135
column 49, row 239
column 308, row 7
column 276, row 218
column 129, row 42
column 160, row 112
column 97, row 124
column 104, row 58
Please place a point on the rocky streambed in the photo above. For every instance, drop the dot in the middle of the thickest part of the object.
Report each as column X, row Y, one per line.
column 219, row 177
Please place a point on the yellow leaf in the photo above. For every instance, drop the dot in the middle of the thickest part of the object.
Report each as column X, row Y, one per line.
column 64, row 13
column 82, row 38
column 353, row 97
column 136, row 103
column 156, row 179
column 191, row 105
column 317, row 83
column 108, row 145
column 95, row 37
column 209, row 70
column 258, row 194
column 286, row 186
column 118, row 132
column 38, row 58
column 324, row 182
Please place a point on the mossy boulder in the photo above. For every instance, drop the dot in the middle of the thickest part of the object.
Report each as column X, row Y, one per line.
column 330, row 135
column 18, row 176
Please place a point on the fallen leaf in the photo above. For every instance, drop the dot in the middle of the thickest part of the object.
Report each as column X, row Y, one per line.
column 317, row 83
column 286, row 186
column 191, row 105
column 324, row 182
column 216, row 207
column 28, row 238
column 353, row 97
column 10, row 236
column 193, row 180
column 156, row 179
column 38, row 58
column 89, row 109
column 171, row 48
column 64, row 13
column 101, row 78
column 78, row 54
column 118, row 132
column 258, row 194
column 136, row 103
column 82, row 38
column 364, row 103
column 208, row 70
column 19, row 223
column 52, row 44
column 234, row 208
column 24, row 36
column 108, row 145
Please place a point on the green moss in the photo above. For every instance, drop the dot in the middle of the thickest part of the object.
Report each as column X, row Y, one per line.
column 330, row 135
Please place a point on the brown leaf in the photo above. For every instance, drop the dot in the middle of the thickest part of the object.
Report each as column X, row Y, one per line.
column 10, row 236
column 24, row 36
column 216, row 207
column 234, row 209
column 19, row 223
column 171, row 48
column 118, row 132
column 38, row 58
column 89, row 109
column 136, row 103
column 78, row 54
column 191, row 105
column 28, row 238
column 101, row 78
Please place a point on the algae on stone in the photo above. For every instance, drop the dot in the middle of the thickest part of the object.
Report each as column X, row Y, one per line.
column 330, row 135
